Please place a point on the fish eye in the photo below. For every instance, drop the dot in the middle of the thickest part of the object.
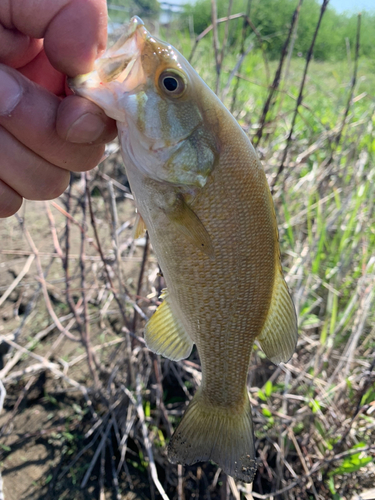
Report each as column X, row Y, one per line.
column 172, row 83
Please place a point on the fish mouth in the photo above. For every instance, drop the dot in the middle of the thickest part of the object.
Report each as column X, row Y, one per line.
column 120, row 63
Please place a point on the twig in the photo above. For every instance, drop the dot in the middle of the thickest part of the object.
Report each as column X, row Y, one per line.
column 242, row 52
column 109, row 279
column 96, row 454
column 159, row 394
column 342, row 455
column 208, row 29
column 102, row 473
column 65, row 258
column 15, row 282
column 226, row 32
column 354, row 80
column 115, row 235
column 276, row 80
column 29, row 370
column 67, row 215
column 3, row 393
column 180, row 484
column 52, row 224
column 337, row 140
column 85, row 323
column 117, row 184
column 235, row 70
column 224, row 490
column 317, row 466
column 1, row 487
column 46, row 254
column 147, row 444
column 352, row 345
column 288, row 61
column 5, row 427
column 216, row 44
column 94, row 349
column 130, row 419
column 114, row 471
column 52, row 367
column 302, row 459
column 78, row 456
column 233, row 488
column 44, row 286
column 141, row 276
column 300, row 96
column 39, row 336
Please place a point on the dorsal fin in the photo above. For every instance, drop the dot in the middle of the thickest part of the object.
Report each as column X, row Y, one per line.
column 278, row 337
column 165, row 334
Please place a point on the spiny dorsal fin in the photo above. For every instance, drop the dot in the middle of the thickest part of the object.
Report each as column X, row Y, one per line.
column 278, row 337
column 187, row 222
column 139, row 226
column 165, row 334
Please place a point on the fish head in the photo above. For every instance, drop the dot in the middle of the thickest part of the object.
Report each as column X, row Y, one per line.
column 153, row 93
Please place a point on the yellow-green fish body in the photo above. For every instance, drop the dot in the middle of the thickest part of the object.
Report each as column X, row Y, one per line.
column 204, row 199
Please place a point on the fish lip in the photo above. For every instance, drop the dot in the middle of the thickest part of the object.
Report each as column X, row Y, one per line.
column 117, row 61
column 134, row 36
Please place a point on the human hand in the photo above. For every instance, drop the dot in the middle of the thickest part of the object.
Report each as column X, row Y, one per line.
column 45, row 134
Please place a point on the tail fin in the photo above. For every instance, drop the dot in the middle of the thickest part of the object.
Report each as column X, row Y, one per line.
column 213, row 433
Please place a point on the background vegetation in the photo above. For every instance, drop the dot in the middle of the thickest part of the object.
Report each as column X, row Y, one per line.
column 89, row 410
column 273, row 18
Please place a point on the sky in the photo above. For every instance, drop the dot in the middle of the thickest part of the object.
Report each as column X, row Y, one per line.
column 339, row 5
column 352, row 5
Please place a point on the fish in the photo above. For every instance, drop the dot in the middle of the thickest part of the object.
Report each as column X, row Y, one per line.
column 201, row 192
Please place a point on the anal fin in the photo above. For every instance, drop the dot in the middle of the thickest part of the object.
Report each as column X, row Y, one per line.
column 278, row 337
column 165, row 334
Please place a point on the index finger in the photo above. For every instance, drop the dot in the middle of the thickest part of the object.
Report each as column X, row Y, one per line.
column 74, row 31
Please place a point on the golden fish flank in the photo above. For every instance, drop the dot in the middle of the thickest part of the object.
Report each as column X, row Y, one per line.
column 204, row 198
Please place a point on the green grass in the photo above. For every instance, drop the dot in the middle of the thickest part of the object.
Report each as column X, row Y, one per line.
column 312, row 414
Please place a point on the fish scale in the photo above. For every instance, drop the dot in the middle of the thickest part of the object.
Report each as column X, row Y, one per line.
column 227, row 268
column 203, row 196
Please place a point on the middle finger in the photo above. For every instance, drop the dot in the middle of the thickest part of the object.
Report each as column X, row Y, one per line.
column 27, row 173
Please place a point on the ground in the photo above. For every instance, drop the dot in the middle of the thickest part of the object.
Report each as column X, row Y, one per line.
column 89, row 410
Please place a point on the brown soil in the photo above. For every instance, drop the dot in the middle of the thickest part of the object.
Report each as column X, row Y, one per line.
column 34, row 447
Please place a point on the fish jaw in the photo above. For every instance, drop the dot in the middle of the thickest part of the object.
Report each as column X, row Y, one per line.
column 116, row 73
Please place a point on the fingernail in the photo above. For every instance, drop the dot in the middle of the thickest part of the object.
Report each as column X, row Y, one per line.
column 87, row 128
column 10, row 93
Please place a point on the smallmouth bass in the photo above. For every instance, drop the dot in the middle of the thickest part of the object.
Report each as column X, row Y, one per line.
column 204, row 198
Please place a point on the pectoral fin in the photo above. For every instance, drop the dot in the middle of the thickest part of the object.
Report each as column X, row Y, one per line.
column 278, row 337
column 188, row 223
column 139, row 226
column 165, row 334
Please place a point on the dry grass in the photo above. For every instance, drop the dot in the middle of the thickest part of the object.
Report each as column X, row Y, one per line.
column 76, row 290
